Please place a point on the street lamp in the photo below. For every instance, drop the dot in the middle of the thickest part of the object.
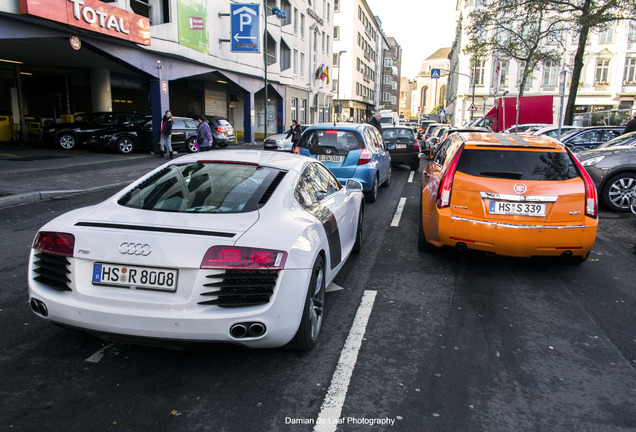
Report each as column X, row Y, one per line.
column 280, row 14
column 338, row 89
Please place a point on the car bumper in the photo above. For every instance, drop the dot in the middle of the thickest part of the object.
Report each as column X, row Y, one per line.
column 136, row 313
column 515, row 239
column 403, row 158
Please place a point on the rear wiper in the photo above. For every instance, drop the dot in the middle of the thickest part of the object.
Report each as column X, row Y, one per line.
column 502, row 174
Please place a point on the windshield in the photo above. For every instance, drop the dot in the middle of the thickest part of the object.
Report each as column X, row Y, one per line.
column 392, row 134
column 627, row 140
column 340, row 140
column 210, row 187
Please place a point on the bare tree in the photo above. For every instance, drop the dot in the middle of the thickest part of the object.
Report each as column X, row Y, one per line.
column 517, row 29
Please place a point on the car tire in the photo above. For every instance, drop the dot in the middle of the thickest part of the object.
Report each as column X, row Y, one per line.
column 221, row 145
column 415, row 165
column 387, row 182
column 372, row 195
column 67, row 141
column 577, row 149
column 617, row 192
column 357, row 246
column 313, row 310
column 191, row 145
column 125, row 145
column 579, row 259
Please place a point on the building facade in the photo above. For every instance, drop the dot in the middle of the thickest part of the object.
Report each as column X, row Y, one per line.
column 608, row 80
column 391, row 62
column 64, row 57
column 358, row 48
column 431, row 91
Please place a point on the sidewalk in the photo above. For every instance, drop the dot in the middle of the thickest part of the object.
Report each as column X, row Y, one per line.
column 34, row 172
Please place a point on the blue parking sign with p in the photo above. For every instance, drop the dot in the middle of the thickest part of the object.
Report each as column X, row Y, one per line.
column 245, row 27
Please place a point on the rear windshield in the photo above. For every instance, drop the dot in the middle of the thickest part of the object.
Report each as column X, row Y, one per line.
column 203, row 188
column 340, row 140
column 393, row 134
column 517, row 165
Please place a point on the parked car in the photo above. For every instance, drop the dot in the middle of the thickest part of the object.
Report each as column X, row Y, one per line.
column 423, row 128
column 524, row 197
column 524, row 127
column 403, row 145
column 453, row 129
column 612, row 166
column 552, row 131
column 427, row 132
column 200, row 243
column 589, row 137
column 350, row 151
column 281, row 142
column 222, row 131
column 137, row 136
column 69, row 135
column 435, row 135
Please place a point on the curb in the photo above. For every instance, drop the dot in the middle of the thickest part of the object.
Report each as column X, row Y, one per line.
column 32, row 197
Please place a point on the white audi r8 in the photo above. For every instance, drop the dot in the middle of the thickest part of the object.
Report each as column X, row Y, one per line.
column 236, row 246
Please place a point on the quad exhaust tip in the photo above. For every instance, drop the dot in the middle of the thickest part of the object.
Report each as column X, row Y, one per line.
column 39, row 307
column 251, row 330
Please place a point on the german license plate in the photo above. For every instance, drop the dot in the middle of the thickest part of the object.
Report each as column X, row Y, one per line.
column 517, row 209
column 330, row 158
column 135, row 277
column 401, row 146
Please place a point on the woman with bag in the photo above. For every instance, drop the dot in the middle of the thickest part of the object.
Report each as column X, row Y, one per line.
column 295, row 131
column 204, row 134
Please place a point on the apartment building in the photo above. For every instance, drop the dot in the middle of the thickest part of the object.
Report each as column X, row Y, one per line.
column 608, row 80
column 64, row 57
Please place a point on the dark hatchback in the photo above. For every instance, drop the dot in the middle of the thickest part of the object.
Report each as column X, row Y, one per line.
column 590, row 137
column 403, row 145
column 138, row 136
column 69, row 135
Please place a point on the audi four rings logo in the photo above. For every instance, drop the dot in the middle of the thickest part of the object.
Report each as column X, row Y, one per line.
column 135, row 249
column 520, row 188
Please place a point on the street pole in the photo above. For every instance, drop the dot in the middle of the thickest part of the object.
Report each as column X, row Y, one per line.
column 265, row 64
column 473, row 80
column 562, row 95
column 338, row 89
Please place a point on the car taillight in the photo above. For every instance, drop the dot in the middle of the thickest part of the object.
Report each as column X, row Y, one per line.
column 591, row 200
column 416, row 145
column 296, row 150
column 238, row 257
column 365, row 157
column 55, row 242
column 220, row 130
column 446, row 184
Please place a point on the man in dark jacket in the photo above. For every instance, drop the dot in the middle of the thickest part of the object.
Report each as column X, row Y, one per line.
column 375, row 121
column 631, row 125
column 165, row 138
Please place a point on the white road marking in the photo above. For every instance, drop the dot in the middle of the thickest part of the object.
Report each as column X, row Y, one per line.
column 398, row 213
column 411, row 176
column 97, row 357
column 333, row 287
column 332, row 406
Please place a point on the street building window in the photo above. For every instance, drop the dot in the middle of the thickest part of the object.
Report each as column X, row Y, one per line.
column 295, row 63
column 294, row 109
column 478, row 72
column 388, row 79
column 324, row 41
column 302, row 26
column 631, row 33
column 607, row 36
column 601, row 76
column 630, row 71
column 287, row 8
column 328, row 12
column 285, row 56
column 336, row 5
column 303, row 113
column 302, row 65
column 550, row 74
column 388, row 62
column 336, row 33
column 295, row 21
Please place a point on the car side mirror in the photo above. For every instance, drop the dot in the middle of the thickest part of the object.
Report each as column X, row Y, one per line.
column 353, row 186
column 425, row 154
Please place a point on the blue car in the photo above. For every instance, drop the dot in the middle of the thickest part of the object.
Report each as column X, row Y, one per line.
column 350, row 151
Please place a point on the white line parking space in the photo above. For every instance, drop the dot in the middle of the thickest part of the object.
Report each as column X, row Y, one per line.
column 411, row 176
column 332, row 406
column 398, row 213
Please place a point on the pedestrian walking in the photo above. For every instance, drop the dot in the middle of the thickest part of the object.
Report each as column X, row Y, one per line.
column 204, row 134
column 165, row 137
column 631, row 125
column 375, row 121
column 295, row 131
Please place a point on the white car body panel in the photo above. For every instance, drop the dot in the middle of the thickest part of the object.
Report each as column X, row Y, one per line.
column 180, row 241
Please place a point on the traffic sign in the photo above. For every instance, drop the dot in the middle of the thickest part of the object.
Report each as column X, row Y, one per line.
column 435, row 73
column 245, row 27
column 472, row 107
column 442, row 112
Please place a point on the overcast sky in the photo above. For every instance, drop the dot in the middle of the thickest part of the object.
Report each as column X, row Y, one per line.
column 420, row 27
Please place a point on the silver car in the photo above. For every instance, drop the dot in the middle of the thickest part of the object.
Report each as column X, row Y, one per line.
column 281, row 142
column 612, row 166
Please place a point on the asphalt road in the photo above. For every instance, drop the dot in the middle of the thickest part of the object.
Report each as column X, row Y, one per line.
column 451, row 342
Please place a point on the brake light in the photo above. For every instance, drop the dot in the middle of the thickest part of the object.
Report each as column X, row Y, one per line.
column 238, row 257
column 446, row 184
column 330, row 131
column 591, row 199
column 365, row 157
column 55, row 242
column 416, row 145
column 220, row 130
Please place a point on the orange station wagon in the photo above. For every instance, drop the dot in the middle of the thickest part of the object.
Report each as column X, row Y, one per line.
column 507, row 194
